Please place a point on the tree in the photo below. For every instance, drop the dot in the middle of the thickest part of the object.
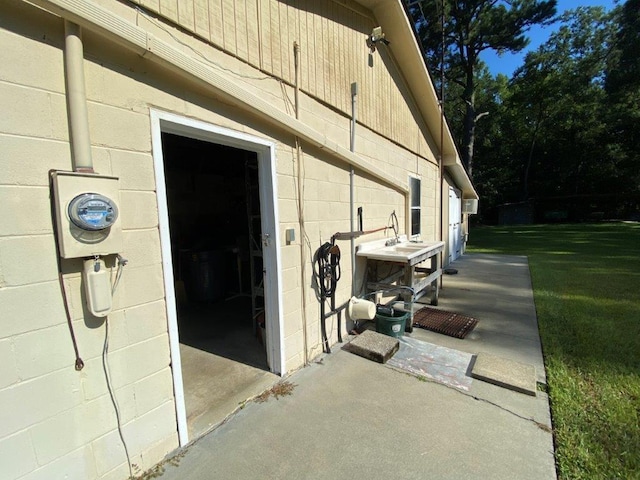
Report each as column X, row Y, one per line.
column 471, row 27
column 560, row 98
column 622, row 85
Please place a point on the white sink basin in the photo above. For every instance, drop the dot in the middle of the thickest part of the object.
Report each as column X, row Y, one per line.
column 403, row 252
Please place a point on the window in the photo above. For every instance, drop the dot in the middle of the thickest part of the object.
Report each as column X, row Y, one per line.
column 414, row 189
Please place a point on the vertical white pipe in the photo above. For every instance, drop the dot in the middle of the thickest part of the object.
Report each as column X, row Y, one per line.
column 352, row 147
column 77, row 98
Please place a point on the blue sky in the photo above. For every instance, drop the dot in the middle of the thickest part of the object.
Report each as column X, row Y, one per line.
column 507, row 63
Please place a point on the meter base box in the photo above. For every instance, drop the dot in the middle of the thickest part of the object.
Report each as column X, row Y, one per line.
column 75, row 242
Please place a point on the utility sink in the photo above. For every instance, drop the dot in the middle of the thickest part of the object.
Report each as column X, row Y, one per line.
column 405, row 251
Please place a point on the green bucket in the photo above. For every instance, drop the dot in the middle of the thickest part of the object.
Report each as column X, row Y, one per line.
column 393, row 325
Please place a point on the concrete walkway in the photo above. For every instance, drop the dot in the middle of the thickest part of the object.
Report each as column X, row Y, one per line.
column 350, row 418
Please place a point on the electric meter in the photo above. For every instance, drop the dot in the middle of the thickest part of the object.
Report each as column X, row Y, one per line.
column 87, row 208
column 92, row 211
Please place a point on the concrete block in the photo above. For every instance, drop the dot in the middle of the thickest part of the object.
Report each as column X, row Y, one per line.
column 44, row 351
column 288, row 210
column 158, row 451
column 294, row 362
column 287, row 187
column 44, row 70
column 17, row 200
column 146, row 321
column 8, row 367
column 77, row 464
column 16, row 455
column 119, row 128
column 73, row 428
column 373, row 346
column 120, row 472
column 138, row 210
column 28, row 260
column 292, row 322
column 290, row 254
column 109, row 454
column 61, row 390
column 506, row 373
column 30, row 307
column 34, row 113
column 94, row 386
column 26, row 161
column 142, row 247
column 134, row 169
column 149, row 357
column 151, row 428
column 141, row 285
column 290, row 280
column 153, row 391
column 90, row 335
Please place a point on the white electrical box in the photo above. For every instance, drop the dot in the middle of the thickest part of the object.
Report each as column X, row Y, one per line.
column 470, row 206
column 87, row 214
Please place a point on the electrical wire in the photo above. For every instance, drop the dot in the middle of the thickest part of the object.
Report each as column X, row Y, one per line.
column 105, row 367
column 199, row 54
column 79, row 364
column 122, row 262
column 288, row 103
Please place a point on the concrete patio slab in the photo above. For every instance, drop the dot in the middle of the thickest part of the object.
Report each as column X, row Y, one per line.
column 348, row 417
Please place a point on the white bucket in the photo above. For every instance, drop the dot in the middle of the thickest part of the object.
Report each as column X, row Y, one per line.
column 360, row 309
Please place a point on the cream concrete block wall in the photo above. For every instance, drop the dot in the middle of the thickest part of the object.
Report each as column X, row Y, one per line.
column 55, row 419
column 34, row 343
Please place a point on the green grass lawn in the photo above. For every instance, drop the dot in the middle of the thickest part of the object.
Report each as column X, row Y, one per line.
column 586, row 281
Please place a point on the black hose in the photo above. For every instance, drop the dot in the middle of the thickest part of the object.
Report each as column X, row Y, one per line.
column 328, row 273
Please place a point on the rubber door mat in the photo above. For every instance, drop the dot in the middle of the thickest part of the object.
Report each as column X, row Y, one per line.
column 446, row 323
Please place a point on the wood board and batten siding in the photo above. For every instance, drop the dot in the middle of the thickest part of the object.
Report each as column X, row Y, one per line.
column 333, row 54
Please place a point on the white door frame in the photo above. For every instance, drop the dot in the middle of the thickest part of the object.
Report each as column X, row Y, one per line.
column 164, row 122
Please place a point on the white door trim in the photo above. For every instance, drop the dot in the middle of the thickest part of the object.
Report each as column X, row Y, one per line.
column 265, row 150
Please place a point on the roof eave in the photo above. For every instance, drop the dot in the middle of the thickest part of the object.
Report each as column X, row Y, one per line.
column 405, row 49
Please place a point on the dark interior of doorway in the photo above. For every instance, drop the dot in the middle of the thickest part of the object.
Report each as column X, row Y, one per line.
column 212, row 196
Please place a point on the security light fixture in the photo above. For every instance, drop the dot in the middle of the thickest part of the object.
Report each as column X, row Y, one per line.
column 375, row 37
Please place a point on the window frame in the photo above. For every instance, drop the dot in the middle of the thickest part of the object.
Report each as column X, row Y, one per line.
column 415, row 206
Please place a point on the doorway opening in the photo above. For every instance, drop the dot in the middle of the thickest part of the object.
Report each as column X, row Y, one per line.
column 215, row 222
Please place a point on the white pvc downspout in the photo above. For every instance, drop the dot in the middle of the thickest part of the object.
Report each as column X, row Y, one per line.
column 79, row 136
column 352, row 148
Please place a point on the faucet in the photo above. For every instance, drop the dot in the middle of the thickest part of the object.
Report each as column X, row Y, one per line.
column 394, row 225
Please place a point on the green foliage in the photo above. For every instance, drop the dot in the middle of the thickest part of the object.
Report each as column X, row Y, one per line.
column 587, row 293
column 623, row 95
column 566, row 125
column 471, row 27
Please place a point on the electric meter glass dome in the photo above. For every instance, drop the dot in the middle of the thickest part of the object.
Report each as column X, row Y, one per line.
column 92, row 211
